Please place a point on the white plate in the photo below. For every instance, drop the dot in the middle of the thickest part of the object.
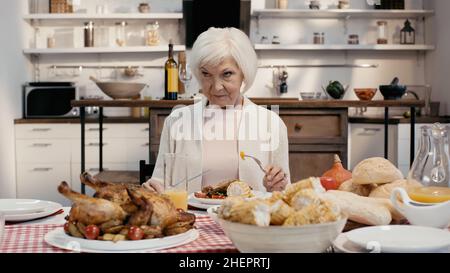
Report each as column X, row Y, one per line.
column 401, row 238
column 210, row 201
column 50, row 208
column 58, row 238
column 343, row 245
column 21, row 206
column 197, row 204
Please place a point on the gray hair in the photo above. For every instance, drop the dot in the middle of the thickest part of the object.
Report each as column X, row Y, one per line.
column 217, row 44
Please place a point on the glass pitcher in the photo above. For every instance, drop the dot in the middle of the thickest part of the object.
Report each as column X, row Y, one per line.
column 431, row 167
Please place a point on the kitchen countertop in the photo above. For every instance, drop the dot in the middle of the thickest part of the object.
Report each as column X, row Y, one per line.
column 282, row 102
column 397, row 120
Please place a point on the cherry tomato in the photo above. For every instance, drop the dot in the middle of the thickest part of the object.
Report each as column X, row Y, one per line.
column 135, row 233
column 92, row 232
column 329, row 183
column 200, row 195
column 66, row 227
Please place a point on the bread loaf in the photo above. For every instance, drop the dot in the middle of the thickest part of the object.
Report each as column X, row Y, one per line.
column 384, row 191
column 359, row 209
column 375, row 170
column 363, row 190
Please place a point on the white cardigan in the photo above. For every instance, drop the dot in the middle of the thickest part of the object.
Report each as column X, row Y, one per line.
column 182, row 133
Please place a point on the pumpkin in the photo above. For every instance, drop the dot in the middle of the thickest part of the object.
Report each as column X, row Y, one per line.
column 338, row 172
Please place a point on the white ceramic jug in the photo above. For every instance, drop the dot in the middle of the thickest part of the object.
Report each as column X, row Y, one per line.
column 421, row 214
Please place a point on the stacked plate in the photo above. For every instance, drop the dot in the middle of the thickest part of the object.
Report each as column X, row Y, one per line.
column 27, row 209
column 394, row 239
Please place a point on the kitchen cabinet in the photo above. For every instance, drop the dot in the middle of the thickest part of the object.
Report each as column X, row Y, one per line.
column 47, row 154
column 367, row 140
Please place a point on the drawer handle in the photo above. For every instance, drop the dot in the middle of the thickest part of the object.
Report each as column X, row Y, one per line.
column 146, row 129
column 41, row 129
column 96, row 144
column 42, row 145
column 97, row 169
column 96, row 129
column 146, row 144
column 298, row 127
column 42, row 169
column 372, row 129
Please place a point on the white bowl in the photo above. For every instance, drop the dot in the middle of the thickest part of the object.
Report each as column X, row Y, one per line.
column 278, row 239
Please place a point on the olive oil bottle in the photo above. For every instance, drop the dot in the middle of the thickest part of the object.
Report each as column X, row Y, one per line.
column 171, row 76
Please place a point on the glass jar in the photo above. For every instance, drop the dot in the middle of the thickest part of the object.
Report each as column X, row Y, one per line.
column 382, row 32
column 319, row 38
column 353, row 39
column 152, row 34
column 121, row 33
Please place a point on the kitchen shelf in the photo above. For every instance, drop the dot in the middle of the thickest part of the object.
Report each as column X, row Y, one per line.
column 110, row 16
column 134, row 49
column 342, row 13
column 343, row 47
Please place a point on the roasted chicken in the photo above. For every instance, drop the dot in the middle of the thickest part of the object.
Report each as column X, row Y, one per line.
column 114, row 192
column 117, row 207
column 91, row 210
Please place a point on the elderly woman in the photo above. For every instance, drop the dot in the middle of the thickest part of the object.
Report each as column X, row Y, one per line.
column 216, row 130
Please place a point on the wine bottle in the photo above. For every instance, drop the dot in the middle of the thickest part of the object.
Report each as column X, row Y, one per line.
column 171, row 76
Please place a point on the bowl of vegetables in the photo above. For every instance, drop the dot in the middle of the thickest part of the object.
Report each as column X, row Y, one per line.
column 335, row 90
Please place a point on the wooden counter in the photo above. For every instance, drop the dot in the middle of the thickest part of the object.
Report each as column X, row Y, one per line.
column 283, row 103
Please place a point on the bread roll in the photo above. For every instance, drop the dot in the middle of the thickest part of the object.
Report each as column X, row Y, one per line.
column 359, row 208
column 375, row 170
column 384, row 191
column 363, row 190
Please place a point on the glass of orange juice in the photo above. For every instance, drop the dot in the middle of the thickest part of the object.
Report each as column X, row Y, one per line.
column 175, row 179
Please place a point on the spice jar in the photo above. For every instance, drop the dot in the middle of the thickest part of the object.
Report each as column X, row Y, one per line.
column 51, row 42
column 275, row 40
column 121, row 33
column 319, row 38
column 152, row 33
column 144, row 8
column 382, row 32
column 353, row 39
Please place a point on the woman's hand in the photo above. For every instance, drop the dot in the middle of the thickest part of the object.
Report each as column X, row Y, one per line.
column 153, row 186
column 275, row 179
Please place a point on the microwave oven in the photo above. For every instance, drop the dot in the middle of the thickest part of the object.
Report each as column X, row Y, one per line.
column 49, row 100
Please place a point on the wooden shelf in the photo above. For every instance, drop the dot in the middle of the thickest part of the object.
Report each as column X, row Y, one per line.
column 343, row 47
column 342, row 13
column 111, row 16
column 99, row 50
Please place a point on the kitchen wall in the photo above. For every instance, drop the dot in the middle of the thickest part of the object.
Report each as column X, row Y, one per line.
column 14, row 70
column 438, row 61
column 409, row 66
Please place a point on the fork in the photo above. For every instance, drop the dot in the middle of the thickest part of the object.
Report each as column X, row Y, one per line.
column 257, row 162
